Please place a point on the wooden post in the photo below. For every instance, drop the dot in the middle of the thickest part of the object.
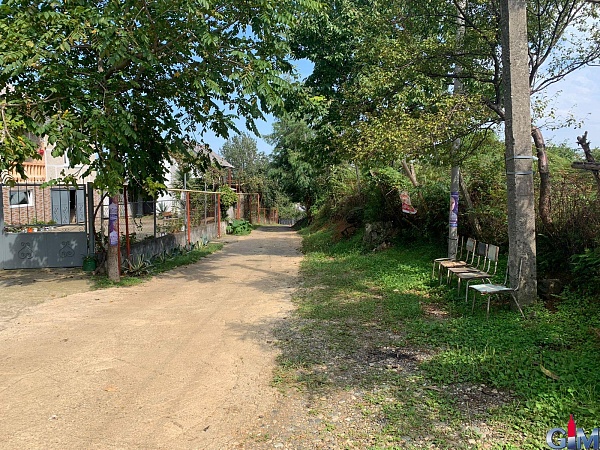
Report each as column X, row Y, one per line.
column 519, row 158
column 258, row 207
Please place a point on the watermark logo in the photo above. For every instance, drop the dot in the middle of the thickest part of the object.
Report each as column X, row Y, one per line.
column 574, row 438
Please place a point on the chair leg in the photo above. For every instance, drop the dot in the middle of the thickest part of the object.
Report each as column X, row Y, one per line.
column 488, row 307
column 512, row 294
column 467, row 292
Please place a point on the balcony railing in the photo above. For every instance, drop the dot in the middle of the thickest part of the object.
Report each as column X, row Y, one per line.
column 35, row 171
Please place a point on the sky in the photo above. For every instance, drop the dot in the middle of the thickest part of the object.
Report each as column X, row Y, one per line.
column 577, row 95
column 265, row 127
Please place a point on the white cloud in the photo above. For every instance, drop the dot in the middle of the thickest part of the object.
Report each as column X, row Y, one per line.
column 578, row 95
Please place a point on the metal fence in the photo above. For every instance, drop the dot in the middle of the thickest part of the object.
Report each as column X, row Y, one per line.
column 33, row 207
column 175, row 211
column 250, row 207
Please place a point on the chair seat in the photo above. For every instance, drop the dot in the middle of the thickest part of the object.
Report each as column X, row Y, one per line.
column 473, row 274
column 452, row 263
column 490, row 288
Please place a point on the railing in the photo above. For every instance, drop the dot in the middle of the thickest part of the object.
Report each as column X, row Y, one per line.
column 35, row 171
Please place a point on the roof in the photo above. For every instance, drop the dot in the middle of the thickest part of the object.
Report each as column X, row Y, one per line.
column 198, row 149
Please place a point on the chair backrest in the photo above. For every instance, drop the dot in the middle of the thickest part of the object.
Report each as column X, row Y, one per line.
column 506, row 280
column 481, row 252
column 492, row 258
column 460, row 248
column 470, row 249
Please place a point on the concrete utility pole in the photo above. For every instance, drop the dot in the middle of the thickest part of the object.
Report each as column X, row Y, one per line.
column 519, row 159
column 455, row 172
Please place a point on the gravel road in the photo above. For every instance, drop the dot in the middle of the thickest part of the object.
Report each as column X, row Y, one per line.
column 183, row 361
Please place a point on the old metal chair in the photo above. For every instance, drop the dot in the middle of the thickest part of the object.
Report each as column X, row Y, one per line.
column 437, row 261
column 469, row 257
column 486, row 273
column 490, row 289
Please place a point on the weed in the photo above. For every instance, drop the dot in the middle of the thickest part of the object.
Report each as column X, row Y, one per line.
column 137, row 266
column 239, row 227
column 543, row 368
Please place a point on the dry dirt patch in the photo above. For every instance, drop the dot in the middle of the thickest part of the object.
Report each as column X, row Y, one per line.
column 182, row 361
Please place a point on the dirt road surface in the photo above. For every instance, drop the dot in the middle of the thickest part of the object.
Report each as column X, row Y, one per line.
column 183, row 361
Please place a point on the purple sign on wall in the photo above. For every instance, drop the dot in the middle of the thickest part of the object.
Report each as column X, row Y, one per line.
column 453, row 209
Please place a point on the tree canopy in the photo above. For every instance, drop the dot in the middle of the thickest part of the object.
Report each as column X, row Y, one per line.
column 120, row 85
column 384, row 70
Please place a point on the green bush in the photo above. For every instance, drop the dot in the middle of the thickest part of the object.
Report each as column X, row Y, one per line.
column 586, row 270
column 228, row 197
column 239, row 227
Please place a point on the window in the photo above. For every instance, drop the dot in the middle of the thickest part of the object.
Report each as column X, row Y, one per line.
column 20, row 198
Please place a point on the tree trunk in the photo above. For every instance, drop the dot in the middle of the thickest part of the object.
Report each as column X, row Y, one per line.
column 308, row 206
column 467, row 196
column 545, row 205
column 412, row 176
column 585, row 145
column 410, row 173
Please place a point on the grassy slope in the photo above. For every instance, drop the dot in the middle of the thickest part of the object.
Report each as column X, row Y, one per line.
column 360, row 305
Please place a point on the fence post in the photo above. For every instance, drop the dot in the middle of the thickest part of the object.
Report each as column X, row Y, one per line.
column 154, row 215
column 258, row 207
column 219, row 215
column 205, row 208
column 127, row 241
column 189, row 222
column 91, row 221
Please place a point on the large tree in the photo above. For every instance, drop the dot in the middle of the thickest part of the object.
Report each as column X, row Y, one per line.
column 242, row 152
column 297, row 174
column 384, row 70
column 119, row 86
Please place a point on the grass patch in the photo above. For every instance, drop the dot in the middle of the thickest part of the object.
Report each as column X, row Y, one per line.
column 161, row 265
column 452, row 379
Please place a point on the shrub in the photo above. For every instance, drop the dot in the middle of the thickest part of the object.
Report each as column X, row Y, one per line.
column 239, row 227
column 586, row 270
column 228, row 197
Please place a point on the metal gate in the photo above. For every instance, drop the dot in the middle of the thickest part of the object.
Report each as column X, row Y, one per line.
column 42, row 227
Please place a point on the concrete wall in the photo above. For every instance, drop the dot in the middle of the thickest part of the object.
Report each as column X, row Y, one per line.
column 153, row 247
